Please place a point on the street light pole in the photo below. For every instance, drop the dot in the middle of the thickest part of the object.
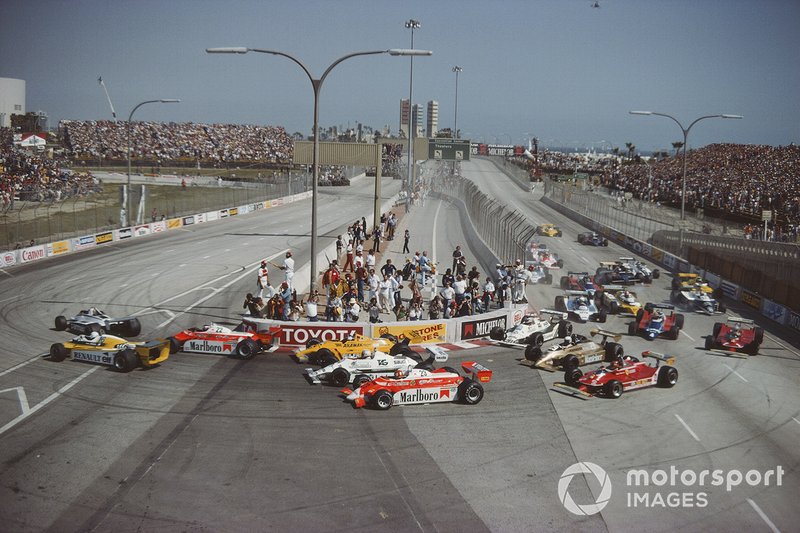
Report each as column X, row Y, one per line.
column 128, row 136
column 457, row 70
column 685, row 138
column 412, row 25
column 316, row 85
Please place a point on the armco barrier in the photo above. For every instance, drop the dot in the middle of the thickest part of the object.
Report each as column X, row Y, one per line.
column 451, row 330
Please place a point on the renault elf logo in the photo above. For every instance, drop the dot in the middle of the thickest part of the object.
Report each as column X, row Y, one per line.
column 590, row 508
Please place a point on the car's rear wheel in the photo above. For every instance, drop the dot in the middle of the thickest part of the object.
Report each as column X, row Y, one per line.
column 313, row 341
column 572, row 376
column 717, row 329
column 340, row 377
column 133, row 327
column 533, row 353
column 58, row 352
column 382, row 400
column 126, row 360
column 709, row 343
column 246, row 349
column 537, row 339
column 325, row 357
column 61, row 323
column 759, row 335
column 605, row 242
column 564, row 283
column 613, row 389
column 633, row 329
column 679, row 318
column 559, row 303
column 613, row 307
column 656, row 273
column 548, row 279
column 667, row 376
column 470, row 392
column 602, row 315
column 648, row 307
column 674, row 332
column 389, row 337
column 614, row 351
column 752, row 348
column 360, row 379
column 564, row 328
column 569, row 362
column 411, row 354
column 497, row 333
column 174, row 345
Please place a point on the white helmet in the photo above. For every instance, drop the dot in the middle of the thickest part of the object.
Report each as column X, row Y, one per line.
column 93, row 336
column 365, row 353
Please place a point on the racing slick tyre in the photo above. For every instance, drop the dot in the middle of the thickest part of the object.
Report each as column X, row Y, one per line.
column 667, row 376
column 246, row 349
column 570, row 362
column 313, row 341
column 389, row 337
column 673, row 296
column 717, row 293
column 605, row 242
column 58, row 352
column 675, row 332
column 656, row 273
column 360, row 379
column 133, row 327
column 647, row 280
column 613, row 307
column 602, row 315
column 326, row 358
column 716, row 330
column 382, row 400
column 564, row 283
column 709, row 343
column 497, row 333
column 759, row 337
column 399, row 347
column 340, row 377
column 676, row 284
column 126, row 360
column 639, row 315
column 581, row 239
column 648, row 307
column 548, row 279
column 174, row 345
column 564, row 328
column 559, row 304
column 470, row 392
column 751, row 349
column 411, row 354
column 537, row 339
column 722, row 307
column 560, row 263
column 614, row 351
column 633, row 330
column 613, row 389
column 559, row 233
column 61, row 323
column 572, row 376
column 679, row 318
column 533, row 353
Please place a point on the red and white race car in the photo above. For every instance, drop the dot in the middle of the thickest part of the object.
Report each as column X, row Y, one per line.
column 627, row 374
column 423, row 386
column 736, row 335
column 244, row 341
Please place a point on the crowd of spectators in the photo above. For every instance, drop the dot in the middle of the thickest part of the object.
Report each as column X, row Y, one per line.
column 157, row 141
column 38, row 178
column 333, row 175
column 734, row 178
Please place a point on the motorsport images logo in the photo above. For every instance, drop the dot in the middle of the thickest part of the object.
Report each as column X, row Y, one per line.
column 602, row 479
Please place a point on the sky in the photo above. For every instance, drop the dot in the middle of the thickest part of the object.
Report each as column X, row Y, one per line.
column 559, row 70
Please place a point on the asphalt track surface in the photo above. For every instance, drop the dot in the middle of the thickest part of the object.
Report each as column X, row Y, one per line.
column 206, row 443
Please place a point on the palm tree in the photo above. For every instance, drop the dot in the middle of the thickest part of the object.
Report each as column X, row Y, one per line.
column 615, row 151
column 677, row 145
column 631, row 147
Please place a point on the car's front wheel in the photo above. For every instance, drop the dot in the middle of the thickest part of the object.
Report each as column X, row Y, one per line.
column 61, row 323
column 126, row 360
column 667, row 376
column 58, row 352
column 613, row 389
column 382, row 400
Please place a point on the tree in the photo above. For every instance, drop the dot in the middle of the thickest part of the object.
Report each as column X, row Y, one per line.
column 631, row 147
column 677, row 145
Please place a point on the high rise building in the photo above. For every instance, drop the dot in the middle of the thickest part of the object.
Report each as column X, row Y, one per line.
column 417, row 118
column 405, row 113
column 433, row 119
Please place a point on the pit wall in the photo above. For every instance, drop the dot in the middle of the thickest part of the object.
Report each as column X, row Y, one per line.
column 421, row 332
column 774, row 311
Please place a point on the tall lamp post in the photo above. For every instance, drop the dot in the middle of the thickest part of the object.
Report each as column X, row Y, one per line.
column 685, row 137
column 316, row 85
column 457, row 70
column 128, row 216
column 412, row 25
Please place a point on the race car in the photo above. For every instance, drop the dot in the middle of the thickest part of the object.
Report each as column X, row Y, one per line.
column 580, row 306
column 244, row 342
column 93, row 319
column 323, row 353
column 696, row 300
column 642, row 272
column 549, row 259
column 625, row 270
column 538, row 274
column 736, row 335
column 577, row 350
column 625, row 375
column 422, row 386
column 370, row 365
column 688, row 281
column 652, row 322
column 592, row 238
column 619, row 300
column 579, row 281
column 549, row 230
column 549, row 325
column 112, row 351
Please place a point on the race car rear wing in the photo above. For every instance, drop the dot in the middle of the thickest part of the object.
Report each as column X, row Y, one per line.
column 571, row 273
column 477, row 370
column 663, row 306
column 572, row 391
column 614, row 287
column 577, row 293
column 553, row 312
column 605, row 333
column 626, row 259
column 739, row 320
column 437, row 354
column 666, row 359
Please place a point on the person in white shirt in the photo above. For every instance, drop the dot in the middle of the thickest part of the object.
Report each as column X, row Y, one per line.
column 385, row 294
column 288, row 269
column 370, row 259
column 374, row 283
column 448, row 294
column 488, row 293
column 352, row 311
column 262, row 280
column 460, row 288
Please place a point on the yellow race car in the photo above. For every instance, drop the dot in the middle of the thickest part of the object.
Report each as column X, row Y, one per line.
column 328, row 352
column 689, row 281
column 549, row 230
column 112, row 351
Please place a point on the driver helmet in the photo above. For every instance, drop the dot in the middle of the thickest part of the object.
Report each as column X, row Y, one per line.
column 93, row 336
column 366, row 353
column 400, row 373
column 288, row 254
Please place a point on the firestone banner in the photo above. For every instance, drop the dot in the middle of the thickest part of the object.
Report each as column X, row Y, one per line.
column 416, row 334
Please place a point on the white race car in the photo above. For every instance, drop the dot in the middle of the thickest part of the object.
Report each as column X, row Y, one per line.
column 697, row 300
column 579, row 305
column 533, row 329
column 370, row 365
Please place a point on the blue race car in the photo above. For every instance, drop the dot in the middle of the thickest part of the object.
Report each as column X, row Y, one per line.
column 592, row 238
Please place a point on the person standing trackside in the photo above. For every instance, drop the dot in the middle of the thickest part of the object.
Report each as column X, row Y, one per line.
column 262, row 279
column 406, row 237
column 288, row 270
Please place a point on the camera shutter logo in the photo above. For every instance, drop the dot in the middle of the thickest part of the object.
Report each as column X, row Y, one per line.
column 591, row 508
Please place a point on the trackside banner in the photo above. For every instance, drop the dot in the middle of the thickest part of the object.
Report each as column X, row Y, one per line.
column 34, row 253
column 473, row 329
column 8, row 259
column 416, row 334
column 300, row 334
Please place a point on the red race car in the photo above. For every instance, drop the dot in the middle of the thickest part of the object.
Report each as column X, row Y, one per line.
column 423, row 386
column 244, row 341
column 736, row 335
column 613, row 380
column 653, row 321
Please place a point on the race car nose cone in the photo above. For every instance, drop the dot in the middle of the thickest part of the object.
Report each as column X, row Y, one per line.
column 352, row 396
